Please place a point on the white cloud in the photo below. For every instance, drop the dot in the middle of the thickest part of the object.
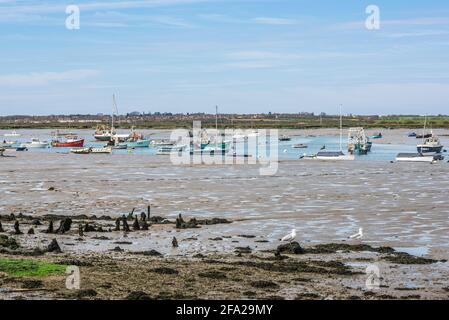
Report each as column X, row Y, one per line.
column 45, row 78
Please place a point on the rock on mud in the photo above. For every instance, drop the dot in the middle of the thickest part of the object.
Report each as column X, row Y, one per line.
column 290, row 248
column 54, row 246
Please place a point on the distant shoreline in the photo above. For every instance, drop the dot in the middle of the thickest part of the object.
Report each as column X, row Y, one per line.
column 261, row 121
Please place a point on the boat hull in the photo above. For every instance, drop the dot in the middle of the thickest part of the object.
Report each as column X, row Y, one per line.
column 417, row 157
column 71, row 144
column 333, row 156
column 103, row 137
column 429, row 150
column 40, row 145
column 138, row 144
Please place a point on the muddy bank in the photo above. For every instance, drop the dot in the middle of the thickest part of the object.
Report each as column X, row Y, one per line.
column 313, row 274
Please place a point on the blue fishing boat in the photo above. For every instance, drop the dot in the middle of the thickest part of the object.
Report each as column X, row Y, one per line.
column 137, row 144
column 412, row 134
column 377, row 136
column 135, row 140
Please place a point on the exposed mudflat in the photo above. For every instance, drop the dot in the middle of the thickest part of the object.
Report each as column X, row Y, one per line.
column 403, row 206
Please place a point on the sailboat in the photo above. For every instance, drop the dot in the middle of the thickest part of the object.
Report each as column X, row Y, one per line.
column 219, row 146
column 102, row 133
column 335, row 155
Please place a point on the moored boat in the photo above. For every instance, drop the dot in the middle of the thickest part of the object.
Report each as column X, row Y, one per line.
column 333, row 156
column 162, row 143
column 418, row 157
column 136, row 140
column 300, row 146
column 168, row 150
column 90, row 150
column 358, row 142
column 69, row 143
column 430, row 146
column 284, row 138
column 35, row 143
column 13, row 134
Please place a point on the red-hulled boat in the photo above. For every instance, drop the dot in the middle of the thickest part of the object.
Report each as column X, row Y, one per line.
column 69, row 143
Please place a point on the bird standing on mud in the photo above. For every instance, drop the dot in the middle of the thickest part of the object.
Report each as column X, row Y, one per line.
column 290, row 237
column 358, row 235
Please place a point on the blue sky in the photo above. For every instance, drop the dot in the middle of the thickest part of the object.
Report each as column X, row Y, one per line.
column 244, row 55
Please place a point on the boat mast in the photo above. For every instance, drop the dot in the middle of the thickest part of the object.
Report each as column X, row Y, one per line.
column 424, row 130
column 114, row 106
column 216, row 123
column 341, row 130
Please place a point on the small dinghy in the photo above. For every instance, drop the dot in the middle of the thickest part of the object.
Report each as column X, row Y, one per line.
column 104, row 150
column 300, row 146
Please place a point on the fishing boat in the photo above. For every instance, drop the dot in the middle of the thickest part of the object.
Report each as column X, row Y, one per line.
column 431, row 145
column 418, row 157
column 13, row 134
column 136, row 140
column 358, row 142
column 284, row 138
column 300, row 146
column 412, row 134
column 377, row 136
column 168, row 150
column 35, row 143
column 68, row 143
column 20, row 149
column 103, row 133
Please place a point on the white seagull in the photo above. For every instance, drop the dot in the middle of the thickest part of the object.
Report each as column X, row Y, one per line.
column 290, row 237
column 358, row 235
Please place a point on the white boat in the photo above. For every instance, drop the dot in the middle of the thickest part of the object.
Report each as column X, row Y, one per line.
column 245, row 137
column 35, row 143
column 162, row 143
column 431, row 145
column 168, row 150
column 333, row 156
column 12, row 134
column 104, row 150
column 418, row 157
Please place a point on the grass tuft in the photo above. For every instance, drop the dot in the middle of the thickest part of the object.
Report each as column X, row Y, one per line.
column 30, row 268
